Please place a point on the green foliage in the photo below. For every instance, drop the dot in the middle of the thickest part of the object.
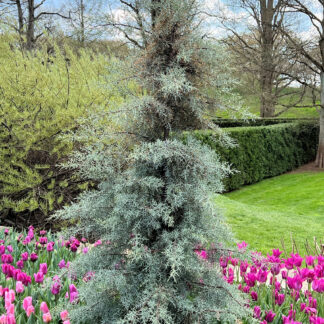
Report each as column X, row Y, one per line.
column 41, row 97
column 157, row 221
column 264, row 151
column 226, row 123
column 152, row 207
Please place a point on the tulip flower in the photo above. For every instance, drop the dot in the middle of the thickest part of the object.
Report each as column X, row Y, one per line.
column 61, row 264
column 56, row 288
column 24, row 256
column 33, row 257
column 64, row 315
column 39, row 277
column 47, row 317
column 254, row 295
column 30, row 310
column 242, row 246
column 269, row 316
column 257, row 312
column 43, row 268
column 27, row 302
column 19, row 287
column 44, row 307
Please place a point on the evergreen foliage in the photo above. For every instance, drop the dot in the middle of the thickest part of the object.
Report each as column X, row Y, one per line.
column 264, row 151
column 152, row 208
column 41, row 98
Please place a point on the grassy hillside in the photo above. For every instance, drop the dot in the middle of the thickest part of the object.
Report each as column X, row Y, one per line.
column 291, row 205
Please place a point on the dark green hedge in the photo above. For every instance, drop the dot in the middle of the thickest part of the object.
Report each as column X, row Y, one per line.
column 265, row 151
column 225, row 123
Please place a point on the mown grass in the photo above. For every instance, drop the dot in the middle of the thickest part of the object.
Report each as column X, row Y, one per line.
column 276, row 209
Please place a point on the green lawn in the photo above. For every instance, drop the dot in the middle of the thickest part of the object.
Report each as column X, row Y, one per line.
column 278, row 208
column 252, row 101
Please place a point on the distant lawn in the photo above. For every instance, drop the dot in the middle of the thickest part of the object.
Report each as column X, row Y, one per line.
column 252, row 101
column 276, row 208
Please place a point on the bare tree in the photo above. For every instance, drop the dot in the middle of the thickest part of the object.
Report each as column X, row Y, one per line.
column 312, row 51
column 259, row 48
column 85, row 17
column 27, row 14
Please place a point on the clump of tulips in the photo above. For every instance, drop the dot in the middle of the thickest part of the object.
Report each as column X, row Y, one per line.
column 279, row 289
column 29, row 286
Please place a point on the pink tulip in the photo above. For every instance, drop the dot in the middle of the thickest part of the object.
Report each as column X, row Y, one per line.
column 39, row 277
column 10, row 309
column 62, row 264
column 73, row 293
column 30, row 310
column 242, row 246
column 11, row 319
column 44, row 307
column 64, row 315
column 27, row 302
column 19, row 287
column 50, row 247
column 66, row 322
column 47, row 317
column 97, row 243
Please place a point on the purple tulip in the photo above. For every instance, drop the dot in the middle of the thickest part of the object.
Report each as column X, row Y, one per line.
column 270, row 315
column 33, row 257
column 43, row 268
column 24, row 256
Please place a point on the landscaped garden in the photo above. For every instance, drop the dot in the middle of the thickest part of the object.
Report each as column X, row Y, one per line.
column 138, row 184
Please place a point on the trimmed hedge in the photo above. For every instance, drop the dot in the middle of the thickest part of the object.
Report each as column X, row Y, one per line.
column 264, row 151
column 225, row 123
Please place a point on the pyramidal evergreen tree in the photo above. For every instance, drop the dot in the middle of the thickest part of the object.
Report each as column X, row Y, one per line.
column 152, row 210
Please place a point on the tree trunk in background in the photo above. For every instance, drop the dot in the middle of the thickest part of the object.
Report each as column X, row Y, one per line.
column 20, row 18
column 30, row 35
column 82, row 38
column 267, row 108
column 320, row 151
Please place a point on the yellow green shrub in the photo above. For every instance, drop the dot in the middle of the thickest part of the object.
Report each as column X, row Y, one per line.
column 42, row 97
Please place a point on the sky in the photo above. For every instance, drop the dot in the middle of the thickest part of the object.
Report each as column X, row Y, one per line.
column 306, row 29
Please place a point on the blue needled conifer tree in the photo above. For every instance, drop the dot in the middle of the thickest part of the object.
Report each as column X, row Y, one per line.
column 152, row 207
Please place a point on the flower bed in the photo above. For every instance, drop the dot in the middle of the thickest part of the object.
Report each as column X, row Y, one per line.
column 279, row 290
column 30, row 289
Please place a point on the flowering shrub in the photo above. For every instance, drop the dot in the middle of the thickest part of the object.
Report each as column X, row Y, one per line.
column 29, row 288
column 280, row 290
